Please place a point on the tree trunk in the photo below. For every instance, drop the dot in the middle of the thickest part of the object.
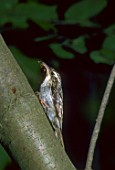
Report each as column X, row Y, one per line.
column 24, row 128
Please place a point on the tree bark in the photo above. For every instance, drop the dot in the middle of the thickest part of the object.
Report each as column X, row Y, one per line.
column 24, row 128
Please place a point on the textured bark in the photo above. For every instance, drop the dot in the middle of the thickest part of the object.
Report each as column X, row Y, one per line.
column 24, row 128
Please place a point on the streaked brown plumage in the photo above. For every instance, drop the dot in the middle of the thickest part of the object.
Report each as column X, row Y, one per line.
column 51, row 98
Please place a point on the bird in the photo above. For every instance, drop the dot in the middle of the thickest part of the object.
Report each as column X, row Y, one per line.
column 51, row 99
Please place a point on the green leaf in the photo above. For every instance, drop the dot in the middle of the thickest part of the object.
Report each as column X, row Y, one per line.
column 4, row 158
column 19, row 13
column 18, row 20
column 10, row 14
column 42, row 12
column 109, row 43
column 84, row 10
column 60, row 51
column 38, row 39
column 88, row 23
column 6, row 8
column 77, row 44
column 29, row 66
column 39, row 13
column 103, row 56
column 7, row 5
column 110, row 30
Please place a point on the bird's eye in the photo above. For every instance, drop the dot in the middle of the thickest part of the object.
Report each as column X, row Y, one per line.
column 43, row 68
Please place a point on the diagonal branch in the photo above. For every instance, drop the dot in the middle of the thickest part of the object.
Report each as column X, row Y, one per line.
column 24, row 128
column 99, row 120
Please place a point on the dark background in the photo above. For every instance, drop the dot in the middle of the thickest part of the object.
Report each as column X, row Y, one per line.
column 83, row 81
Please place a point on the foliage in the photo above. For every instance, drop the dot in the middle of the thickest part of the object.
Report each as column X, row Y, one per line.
column 58, row 49
column 19, row 13
column 47, row 17
column 82, row 11
column 4, row 158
